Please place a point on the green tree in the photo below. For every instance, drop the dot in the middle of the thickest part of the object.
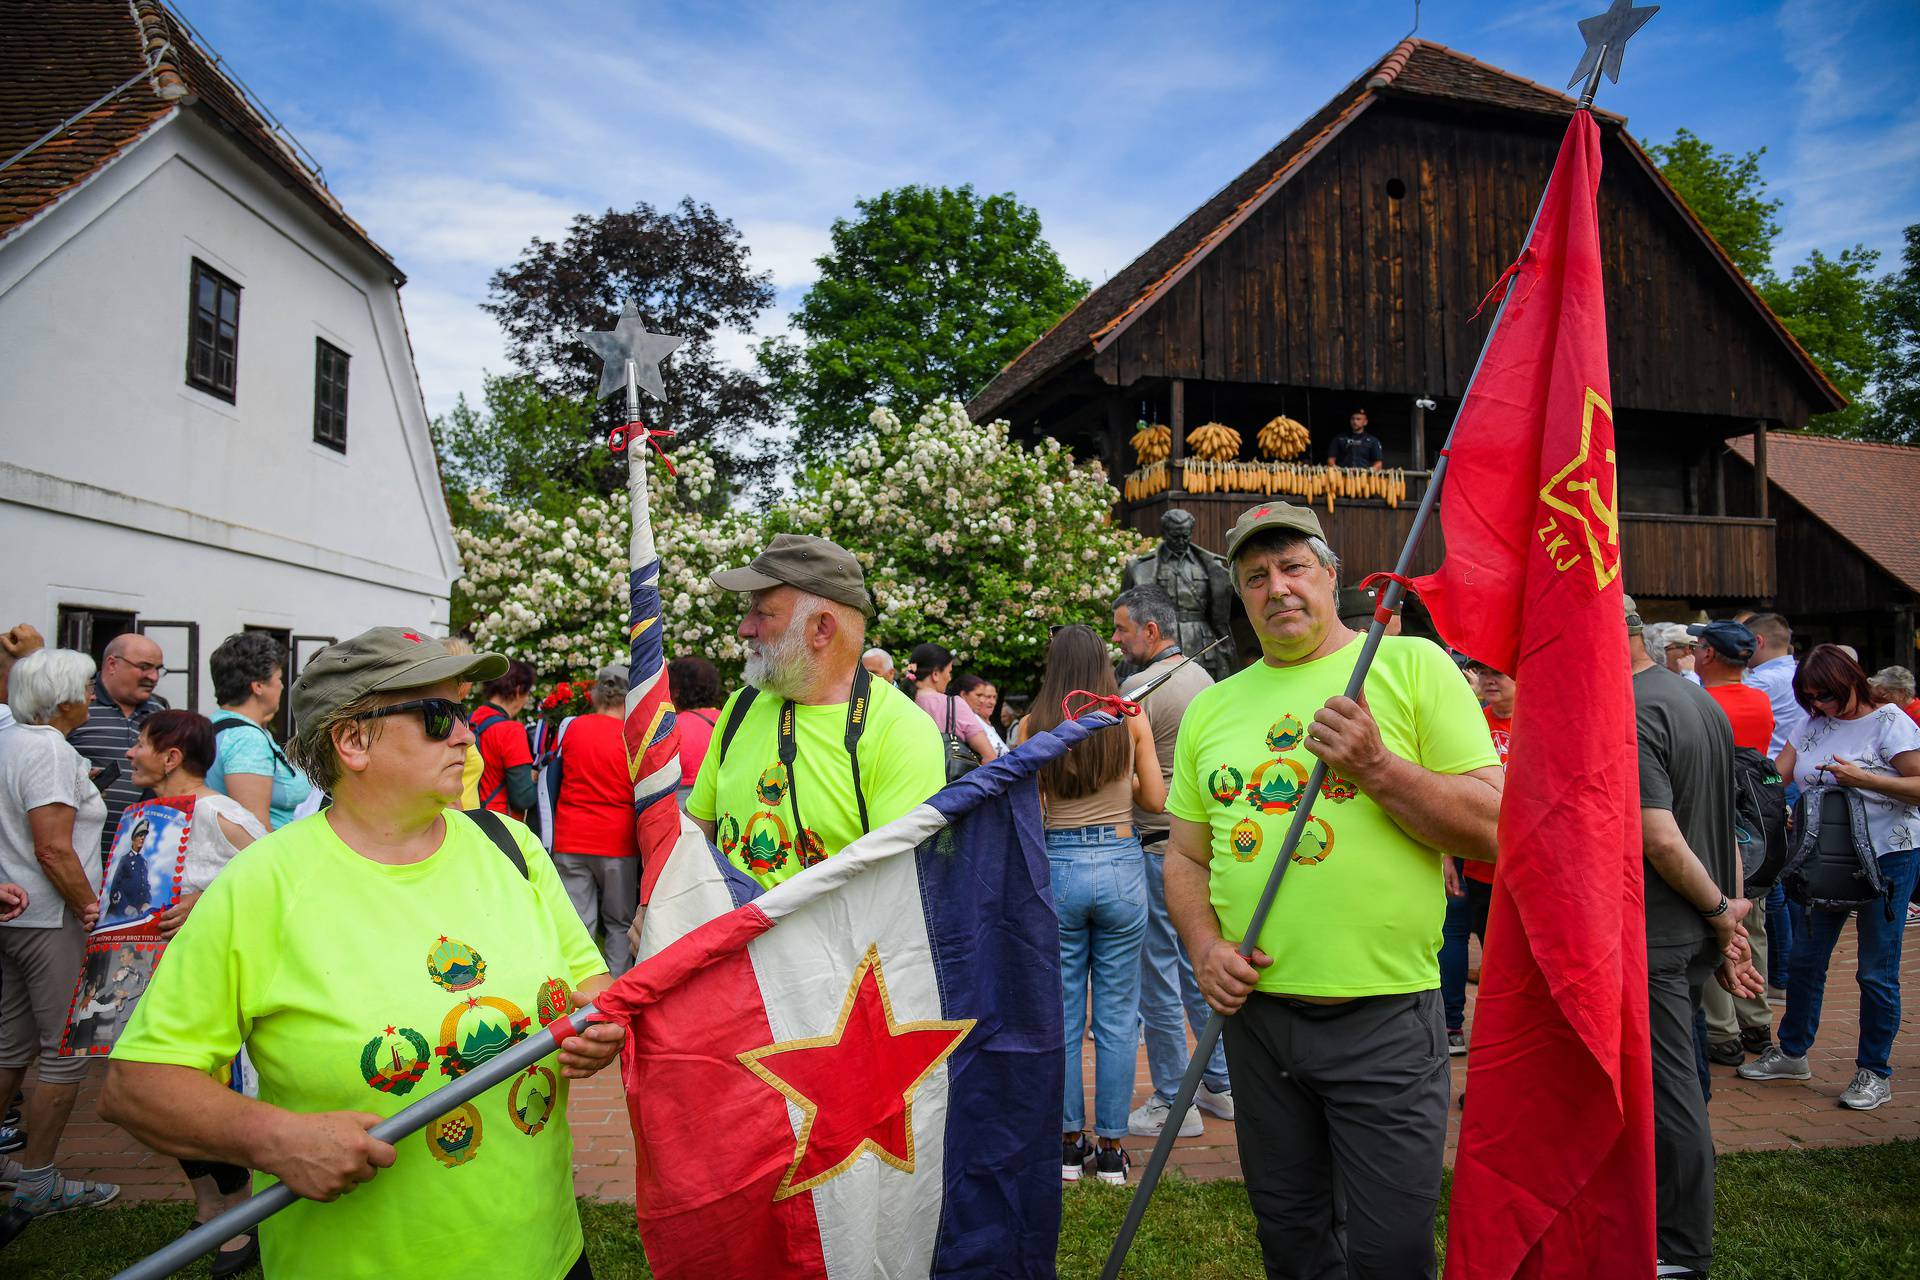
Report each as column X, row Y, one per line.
column 1727, row 193
column 1897, row 303
column 529, row 448
column 1829, row 304
column 922, row 297
column 687, row 270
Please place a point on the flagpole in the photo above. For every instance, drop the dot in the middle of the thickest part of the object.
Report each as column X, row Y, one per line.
column 1389, row 604
column 410, row 1119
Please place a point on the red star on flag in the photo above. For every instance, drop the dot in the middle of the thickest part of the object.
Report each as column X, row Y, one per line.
column 855, row 1086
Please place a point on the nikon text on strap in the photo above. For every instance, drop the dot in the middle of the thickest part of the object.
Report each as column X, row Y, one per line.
column 857, row 706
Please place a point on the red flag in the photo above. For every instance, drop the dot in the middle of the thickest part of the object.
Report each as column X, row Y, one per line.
column 1554, row 1175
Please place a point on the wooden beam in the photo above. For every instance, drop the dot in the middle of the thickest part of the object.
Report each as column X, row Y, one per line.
column 1760, row 469
column 1719, row 456
column 1419, row 435
column 1177, row 424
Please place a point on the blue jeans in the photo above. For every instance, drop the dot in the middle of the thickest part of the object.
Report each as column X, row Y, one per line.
column 1453, row 962
column 1170, row 999
column 1878, row 974
column 1779, row 935
column 1100, row 892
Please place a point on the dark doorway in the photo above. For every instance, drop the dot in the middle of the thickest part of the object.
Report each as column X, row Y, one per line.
column 90, row 630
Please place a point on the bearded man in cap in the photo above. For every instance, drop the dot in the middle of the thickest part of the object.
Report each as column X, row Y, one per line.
column 815, row 752
column 1336, row 1040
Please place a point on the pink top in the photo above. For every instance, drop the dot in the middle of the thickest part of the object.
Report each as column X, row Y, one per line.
column 965, row 722
column 696, row 734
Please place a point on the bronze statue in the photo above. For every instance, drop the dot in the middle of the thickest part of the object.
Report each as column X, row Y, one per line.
column 1200, row 585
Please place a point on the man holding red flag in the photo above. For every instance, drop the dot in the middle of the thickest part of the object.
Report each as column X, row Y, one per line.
column 1557, row 1179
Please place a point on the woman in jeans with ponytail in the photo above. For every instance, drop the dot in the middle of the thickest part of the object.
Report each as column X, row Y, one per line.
column 1099, row 891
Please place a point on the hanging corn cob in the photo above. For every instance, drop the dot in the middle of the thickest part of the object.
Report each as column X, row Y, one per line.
column 1283, row 438
column 1214, row 442
column 1153, row 443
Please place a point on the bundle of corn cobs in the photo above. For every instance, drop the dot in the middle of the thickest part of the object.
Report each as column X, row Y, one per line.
column 1152, row 444
column 1296, row 479
column 1283, row 438
column 1145, row 482
column 1214, row 442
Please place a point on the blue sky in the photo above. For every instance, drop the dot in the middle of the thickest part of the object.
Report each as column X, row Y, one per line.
column 455, row 133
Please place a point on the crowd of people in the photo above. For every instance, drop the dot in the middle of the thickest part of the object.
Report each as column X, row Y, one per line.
column 1345, row 1013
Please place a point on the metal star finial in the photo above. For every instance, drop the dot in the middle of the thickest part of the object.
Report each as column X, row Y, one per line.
column 629, row 340
column 1607, row 35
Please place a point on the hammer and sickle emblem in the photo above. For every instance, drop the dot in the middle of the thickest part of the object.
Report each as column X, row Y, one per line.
column 1587, row 493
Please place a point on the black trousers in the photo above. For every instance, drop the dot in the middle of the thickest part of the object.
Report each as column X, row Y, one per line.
column 1355, row 1095
column 1682, row 1140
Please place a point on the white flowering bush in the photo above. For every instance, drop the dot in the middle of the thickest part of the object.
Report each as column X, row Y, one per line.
column 969, row 539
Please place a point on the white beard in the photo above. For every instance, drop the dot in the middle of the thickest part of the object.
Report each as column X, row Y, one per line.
column 781, row 666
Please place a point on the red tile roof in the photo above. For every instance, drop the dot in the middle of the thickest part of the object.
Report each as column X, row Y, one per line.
column 58, row 58
column 1413, row 69
column 1860, row 489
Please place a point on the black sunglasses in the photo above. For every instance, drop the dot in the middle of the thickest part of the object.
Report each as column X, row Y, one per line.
column 436, row 715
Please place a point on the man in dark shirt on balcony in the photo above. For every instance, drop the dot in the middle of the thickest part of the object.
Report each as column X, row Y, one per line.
column 1356, row 446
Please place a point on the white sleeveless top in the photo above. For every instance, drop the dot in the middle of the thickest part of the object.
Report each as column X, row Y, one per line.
column 208, row 848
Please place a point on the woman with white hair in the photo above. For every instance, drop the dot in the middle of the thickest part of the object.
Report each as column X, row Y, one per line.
column 51, row 815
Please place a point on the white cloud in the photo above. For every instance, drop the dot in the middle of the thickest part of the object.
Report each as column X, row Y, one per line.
column 454, row 342
column 455, row 219
column 787, row 249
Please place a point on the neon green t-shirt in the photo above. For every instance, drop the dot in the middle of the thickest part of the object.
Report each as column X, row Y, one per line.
column 1359, row 912
column 357, row 986
column 750, row 800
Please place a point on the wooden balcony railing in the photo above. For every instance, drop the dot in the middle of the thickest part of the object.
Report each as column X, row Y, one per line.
column 1693, row 557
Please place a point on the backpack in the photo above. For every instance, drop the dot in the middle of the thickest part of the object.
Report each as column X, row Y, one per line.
column 1759, row 818
column 494, row 720
column 1832, row 866
column 545, row 745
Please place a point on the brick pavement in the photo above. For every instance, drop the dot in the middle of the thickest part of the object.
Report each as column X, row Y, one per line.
column 1746, row 1116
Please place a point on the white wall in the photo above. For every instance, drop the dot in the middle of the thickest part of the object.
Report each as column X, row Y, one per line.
column 119, row 483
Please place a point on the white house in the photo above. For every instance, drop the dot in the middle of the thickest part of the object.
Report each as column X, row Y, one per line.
column 209, row 415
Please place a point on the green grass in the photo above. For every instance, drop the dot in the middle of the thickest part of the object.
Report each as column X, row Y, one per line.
column 1780, row 1215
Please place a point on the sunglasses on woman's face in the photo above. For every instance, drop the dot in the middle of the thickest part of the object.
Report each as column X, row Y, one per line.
column 436, row 715
column 1826, row 699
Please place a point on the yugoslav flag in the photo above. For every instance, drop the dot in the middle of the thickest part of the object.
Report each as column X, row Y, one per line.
column 856, row 1073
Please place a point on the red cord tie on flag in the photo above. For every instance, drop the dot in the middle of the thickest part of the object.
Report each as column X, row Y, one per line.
column 1513, row 269
column 1112, row 702
column 620, row 436
column 1382, row 614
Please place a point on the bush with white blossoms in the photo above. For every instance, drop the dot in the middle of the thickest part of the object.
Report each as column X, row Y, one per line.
column 969, row 540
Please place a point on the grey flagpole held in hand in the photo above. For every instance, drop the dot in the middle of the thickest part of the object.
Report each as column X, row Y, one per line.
column 410, row 1119
column 1606, row 35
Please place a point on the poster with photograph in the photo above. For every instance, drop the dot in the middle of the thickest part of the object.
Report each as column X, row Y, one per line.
column 144, row 868
column 141, row 880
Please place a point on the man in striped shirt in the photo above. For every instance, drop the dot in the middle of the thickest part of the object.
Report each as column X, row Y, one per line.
column 122, row 701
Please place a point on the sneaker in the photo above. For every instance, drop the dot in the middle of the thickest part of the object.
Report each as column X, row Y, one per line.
column 1074, row 1154
column 1150, row 1117
column 1775, row 1065
column 1913, row 914
column 1110, row 1164
column 1456, row 1043
column 1726, row 1053
column 10, row 1172
column 1756, row 1039
column 1867, row 1091
column 65, row 1194
column 1674, row 1271
column 1217, row 1103
column 12, row 1139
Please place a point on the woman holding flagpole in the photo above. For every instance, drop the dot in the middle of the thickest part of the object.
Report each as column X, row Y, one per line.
column 376, row 950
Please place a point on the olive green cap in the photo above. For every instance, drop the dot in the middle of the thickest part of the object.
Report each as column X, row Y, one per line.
column 1633, row 614
column 1272, row 515
column 379, row 660
column 810, row 564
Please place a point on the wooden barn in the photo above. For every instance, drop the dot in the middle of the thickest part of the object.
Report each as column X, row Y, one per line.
column 1342, row 270
column 1847, row 559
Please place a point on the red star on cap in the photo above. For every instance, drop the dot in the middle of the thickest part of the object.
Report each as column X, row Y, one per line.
column 408, row 635
column 856, row 1085
column 1261, row 512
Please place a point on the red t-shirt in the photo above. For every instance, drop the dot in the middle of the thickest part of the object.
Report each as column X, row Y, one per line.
column 594, row 811
column 503, row 744
column 1913, row 710
column 1748, row 711
column 696, row 735
column 1501, row 727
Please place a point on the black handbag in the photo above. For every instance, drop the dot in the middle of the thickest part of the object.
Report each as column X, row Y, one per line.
column 961, row 758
